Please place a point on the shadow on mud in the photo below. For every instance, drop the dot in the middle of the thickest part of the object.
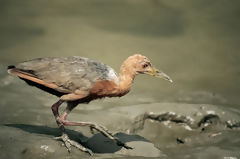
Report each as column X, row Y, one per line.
column 98, row 143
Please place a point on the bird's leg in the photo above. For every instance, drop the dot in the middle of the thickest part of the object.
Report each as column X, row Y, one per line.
column 100, row 128
column 55, row 107
column 67, row 142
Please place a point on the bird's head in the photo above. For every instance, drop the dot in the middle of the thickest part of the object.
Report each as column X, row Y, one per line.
column 142, row 65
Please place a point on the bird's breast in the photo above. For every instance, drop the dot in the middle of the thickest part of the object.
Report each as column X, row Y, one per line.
column 104, row 88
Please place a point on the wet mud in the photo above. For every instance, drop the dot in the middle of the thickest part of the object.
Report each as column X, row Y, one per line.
column 204, row 130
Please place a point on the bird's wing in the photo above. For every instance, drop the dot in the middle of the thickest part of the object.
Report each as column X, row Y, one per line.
column 65, row 73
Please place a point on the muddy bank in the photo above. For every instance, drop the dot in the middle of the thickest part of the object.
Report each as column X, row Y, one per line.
column 168, row 130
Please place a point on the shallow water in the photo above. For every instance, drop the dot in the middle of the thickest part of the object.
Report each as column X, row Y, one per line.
column 195, row 42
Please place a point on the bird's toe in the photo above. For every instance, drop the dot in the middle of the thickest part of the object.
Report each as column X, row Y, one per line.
column 68, row 143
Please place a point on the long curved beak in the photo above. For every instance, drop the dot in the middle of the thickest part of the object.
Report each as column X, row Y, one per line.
column 155, row 72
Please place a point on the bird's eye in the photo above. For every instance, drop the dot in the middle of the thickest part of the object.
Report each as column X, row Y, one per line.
column 145, row 65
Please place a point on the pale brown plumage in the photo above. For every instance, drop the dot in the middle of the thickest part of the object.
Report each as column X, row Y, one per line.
column 80, row 80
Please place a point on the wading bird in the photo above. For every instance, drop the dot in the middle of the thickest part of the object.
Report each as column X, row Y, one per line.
column 80, row 80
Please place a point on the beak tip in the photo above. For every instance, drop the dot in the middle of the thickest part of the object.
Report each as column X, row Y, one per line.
column 171, row 81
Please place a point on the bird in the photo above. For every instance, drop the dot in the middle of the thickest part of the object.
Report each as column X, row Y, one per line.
column 77, row 80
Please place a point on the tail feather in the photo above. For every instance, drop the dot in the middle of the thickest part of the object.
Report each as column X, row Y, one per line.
column 15, row 71
column 11, row 66
column 33, row 80
column 31, row 77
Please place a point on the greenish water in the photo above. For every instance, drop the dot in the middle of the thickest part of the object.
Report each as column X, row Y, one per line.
column 195, row 42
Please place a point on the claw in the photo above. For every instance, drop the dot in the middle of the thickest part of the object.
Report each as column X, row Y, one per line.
column 68, row 143
column 108, row 134
column 119, row 143
column 92, row 130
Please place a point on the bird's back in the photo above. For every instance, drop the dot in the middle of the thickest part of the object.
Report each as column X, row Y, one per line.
column 70, row 73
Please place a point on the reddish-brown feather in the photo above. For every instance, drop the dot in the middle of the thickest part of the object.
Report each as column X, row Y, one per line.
column 33, row 78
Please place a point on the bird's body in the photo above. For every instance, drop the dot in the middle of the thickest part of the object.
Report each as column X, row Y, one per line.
column 79, row 80
column 69, row 73
column 65, row 75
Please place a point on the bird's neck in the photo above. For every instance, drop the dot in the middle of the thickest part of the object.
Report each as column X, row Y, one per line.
column 126, row 77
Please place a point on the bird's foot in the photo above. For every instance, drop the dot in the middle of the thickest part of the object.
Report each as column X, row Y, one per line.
column 68, row 143
column 108, row 134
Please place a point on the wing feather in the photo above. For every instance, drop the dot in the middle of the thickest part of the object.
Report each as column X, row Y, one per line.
column 63, row 73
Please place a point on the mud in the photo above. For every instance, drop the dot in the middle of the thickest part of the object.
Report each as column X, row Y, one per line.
column 202, row 130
